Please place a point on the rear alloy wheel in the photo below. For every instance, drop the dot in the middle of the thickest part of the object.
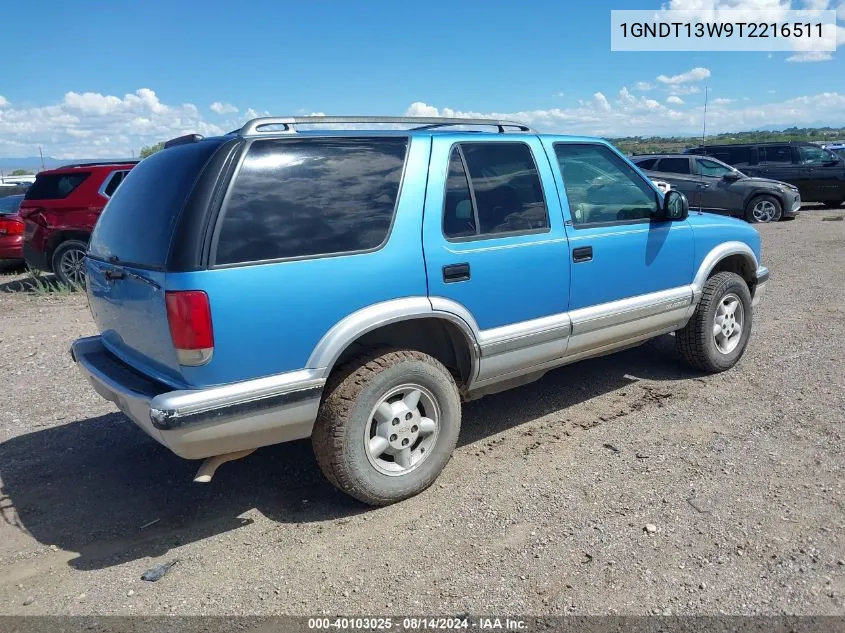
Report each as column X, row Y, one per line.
column 69, row 262
column 387, row 425
column 763, row 209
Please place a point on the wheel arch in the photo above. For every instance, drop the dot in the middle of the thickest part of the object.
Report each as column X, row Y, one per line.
column 57, row 238
column 447, row 333
column 756, row 193
column 736, row 257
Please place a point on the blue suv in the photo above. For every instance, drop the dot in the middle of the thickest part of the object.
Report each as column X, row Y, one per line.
column 354, row 285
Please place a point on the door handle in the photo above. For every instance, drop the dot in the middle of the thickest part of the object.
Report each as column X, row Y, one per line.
column 456, row 272
column 582, row 254
column 703, row 185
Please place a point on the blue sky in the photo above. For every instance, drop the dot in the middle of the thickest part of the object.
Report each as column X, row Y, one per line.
column 117, row 75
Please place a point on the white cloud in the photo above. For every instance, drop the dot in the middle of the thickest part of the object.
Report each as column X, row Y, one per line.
column 722, row 101
column 94, row 125
column 643, row 86
column 691, row 76
column 630, row 115
column 223, row 108
column 560, row 94
column 601, row 101
column 810, row 56
column 3, row 101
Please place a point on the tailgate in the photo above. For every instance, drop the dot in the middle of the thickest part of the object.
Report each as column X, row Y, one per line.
column 129, row 310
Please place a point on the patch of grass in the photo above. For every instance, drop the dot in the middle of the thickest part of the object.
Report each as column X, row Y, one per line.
column 40, row 284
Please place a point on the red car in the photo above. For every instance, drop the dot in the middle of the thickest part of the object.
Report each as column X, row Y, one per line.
column 60, row 210
column 11, row 229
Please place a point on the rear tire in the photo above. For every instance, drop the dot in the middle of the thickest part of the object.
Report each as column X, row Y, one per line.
column 833, row 205
column 763, row 209
column 717, row 334
column 387, row 425
column 69, row 262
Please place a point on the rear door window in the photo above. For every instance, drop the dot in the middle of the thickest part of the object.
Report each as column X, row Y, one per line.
column 139, row 219
column 55, row 186
column 112, row 182
column 674, row 165
column 778, row 154
column 308, row 197
column 493, row 189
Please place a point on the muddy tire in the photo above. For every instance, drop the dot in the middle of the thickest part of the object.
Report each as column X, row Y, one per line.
column 717, row 334
column 387, row 425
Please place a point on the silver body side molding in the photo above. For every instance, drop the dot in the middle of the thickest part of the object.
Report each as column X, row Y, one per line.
column 503, row 354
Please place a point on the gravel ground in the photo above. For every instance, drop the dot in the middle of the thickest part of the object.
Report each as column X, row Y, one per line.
column 542, row 510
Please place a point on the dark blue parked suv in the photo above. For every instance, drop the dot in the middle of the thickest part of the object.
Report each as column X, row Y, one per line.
column 356, row 285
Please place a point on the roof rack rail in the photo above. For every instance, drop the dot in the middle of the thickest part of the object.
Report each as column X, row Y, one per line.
column 99, row 162
column 253, row 126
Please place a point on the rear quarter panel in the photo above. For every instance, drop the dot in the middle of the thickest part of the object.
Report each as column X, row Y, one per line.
column 268, row 318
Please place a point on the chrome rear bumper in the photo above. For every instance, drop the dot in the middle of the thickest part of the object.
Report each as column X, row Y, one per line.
column 201, row 423
column 760, row 286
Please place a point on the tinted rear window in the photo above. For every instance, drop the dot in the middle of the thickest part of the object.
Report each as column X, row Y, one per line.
column 306, row 197
column 138, row 221
column 55, row 186
column 9, row 205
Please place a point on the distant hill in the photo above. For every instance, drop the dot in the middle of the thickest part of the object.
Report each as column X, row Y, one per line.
column 671, row 144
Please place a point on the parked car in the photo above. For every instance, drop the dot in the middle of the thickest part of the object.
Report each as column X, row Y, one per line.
column 836, row 148
column 60, row 210
column 355, row 286
column 713, row 186
column 11, row 229
column 818, row 173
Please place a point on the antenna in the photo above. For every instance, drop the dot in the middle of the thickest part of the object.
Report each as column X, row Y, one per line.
column 41, row 154
column 704, row 125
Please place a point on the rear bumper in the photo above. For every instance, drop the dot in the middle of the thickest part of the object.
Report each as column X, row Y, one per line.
column 11, row 247
column 201, row 423
column 760, row 286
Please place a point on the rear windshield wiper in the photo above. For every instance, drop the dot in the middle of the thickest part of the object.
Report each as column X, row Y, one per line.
column 122, row 273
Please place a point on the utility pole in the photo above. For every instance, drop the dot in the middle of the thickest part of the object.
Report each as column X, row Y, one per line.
column 704, row 127
column 40, row 153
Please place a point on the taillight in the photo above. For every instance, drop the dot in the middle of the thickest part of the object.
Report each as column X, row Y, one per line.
column 189, row 317
column 11, row 226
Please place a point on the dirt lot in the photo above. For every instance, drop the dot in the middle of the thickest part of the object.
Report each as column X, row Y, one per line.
column 541, row 511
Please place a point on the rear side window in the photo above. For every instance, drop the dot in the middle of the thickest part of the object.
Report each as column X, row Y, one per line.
column 139, row 219
column 55, row 186
column 737, row 156
column 113, row 181
column 307, row 197
column 493, row 189
column 778, row 154
column 674, row 165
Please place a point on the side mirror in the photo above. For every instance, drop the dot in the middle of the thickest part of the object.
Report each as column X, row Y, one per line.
column 731, row 177
column 675, row 206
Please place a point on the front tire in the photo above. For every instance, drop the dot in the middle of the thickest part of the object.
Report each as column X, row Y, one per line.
column 717, row 334
column 763, row 209
column 387, row 425
column 69, row 262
